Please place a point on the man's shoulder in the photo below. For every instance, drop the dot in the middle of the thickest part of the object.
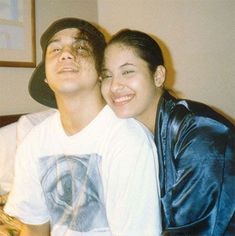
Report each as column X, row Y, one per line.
column 125, row 127
column 44, row 126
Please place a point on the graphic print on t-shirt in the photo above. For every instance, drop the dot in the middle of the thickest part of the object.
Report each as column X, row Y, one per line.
column 73, row 192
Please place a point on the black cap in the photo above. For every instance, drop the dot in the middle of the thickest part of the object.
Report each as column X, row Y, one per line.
column 38, row 89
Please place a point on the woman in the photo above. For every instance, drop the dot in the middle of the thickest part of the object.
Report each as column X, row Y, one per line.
column 195, row 145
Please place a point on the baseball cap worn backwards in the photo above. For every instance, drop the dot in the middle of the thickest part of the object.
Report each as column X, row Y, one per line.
column 38, row 89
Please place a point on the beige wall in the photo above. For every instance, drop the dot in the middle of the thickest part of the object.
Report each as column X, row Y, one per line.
column 198, row 38
column 14, row 97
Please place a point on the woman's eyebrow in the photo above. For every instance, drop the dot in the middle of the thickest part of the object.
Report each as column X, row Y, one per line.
column 127, row 64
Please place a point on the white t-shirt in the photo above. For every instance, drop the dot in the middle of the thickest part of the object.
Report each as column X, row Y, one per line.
column 101, row 181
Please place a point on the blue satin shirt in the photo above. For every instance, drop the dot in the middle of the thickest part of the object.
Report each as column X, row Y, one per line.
column 196, row 151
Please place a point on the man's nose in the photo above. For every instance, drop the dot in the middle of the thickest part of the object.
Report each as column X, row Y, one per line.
column 67, row 53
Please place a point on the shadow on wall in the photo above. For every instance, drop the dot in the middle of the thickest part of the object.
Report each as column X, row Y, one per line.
column 171, row 75
column 170, row 72
column 231, row 119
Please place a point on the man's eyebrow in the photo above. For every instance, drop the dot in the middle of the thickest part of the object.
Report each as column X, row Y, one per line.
column 75, row 38
column 81, row 38
column 52, row 41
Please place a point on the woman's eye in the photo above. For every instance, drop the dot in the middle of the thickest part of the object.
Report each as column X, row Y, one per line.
column 127, row 72
column 105, row 76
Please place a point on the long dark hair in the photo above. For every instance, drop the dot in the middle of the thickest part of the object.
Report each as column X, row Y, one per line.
column 144, row 45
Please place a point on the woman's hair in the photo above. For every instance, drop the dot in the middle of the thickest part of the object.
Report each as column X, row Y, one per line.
column 144, row 45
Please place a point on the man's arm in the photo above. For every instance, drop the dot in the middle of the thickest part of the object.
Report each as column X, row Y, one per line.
column 25, row 201
column 35, row 230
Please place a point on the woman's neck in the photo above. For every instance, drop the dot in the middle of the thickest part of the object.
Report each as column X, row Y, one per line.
column 149, row 117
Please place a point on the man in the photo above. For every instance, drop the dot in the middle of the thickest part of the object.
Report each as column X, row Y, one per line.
column 82, row 171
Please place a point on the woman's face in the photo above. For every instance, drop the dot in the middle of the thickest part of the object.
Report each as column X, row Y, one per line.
column 127, row 83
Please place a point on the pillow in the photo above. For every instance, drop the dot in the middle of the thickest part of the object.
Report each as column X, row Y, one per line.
column 10, row 136
column 7, row 154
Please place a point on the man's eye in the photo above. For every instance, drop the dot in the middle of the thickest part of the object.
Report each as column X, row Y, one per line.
column 53, row 50
column 81, row 48
column 56, row 50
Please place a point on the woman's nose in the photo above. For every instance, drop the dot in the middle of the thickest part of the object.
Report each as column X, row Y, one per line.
column 116, row 84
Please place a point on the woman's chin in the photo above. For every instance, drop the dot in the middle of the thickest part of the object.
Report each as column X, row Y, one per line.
column 123, row 113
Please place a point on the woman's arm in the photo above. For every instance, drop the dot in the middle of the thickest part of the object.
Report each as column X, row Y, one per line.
column 200, row 186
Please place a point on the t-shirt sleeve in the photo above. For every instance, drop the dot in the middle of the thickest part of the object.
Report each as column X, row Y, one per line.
column 132, row 198
column 26, row 201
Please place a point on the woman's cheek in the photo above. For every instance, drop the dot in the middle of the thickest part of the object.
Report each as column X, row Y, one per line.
column 104, row 88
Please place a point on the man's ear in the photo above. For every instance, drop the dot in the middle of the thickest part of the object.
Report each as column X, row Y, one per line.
column 160, row 76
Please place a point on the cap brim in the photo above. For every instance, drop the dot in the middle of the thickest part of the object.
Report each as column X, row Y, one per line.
column 39, row 89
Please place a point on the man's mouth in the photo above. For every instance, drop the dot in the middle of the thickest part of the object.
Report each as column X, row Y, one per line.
column 67, row 67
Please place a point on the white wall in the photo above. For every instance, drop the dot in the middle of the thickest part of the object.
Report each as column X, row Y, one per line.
column 14, row 96
column 197, row 37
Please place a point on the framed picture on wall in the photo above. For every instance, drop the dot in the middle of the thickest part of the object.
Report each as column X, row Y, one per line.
column 17, row 33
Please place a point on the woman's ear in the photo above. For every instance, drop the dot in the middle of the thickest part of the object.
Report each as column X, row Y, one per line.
column 100, row 79
column 160, row 76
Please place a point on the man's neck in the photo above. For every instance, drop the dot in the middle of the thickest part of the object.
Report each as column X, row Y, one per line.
column 77, row 114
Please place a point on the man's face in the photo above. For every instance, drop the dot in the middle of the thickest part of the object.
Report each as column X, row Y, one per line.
column 70, row 64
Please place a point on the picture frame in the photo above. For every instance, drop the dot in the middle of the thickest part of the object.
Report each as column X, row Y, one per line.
column 17, row 33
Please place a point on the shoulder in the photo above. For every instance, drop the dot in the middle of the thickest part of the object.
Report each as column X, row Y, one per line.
column 201, row 118
column 127, row 142
column 128, row 126
column 30, row 120
column 192, row 111
column 190, row 123
column 41, row 130
column 204, row 131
